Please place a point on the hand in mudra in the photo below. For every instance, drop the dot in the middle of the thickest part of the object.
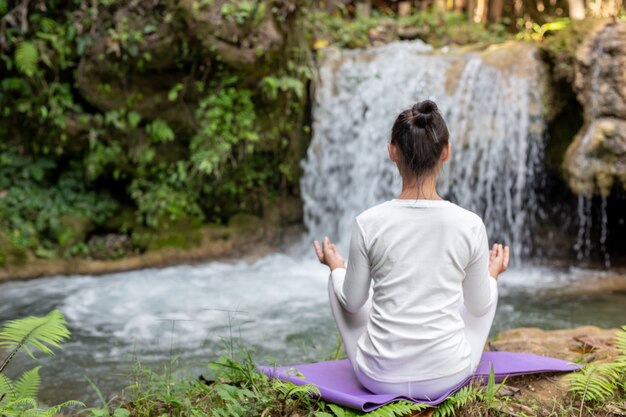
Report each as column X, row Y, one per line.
column 498, row 260
column 328, row 254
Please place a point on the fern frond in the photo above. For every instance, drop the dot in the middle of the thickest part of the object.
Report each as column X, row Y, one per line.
column 620, row 342
column 52, row 411
column 16, row 407
column 459, row 400
column 398, row 409
column 595, row 382
column 33, row 333
column 27, row 385
column 6, row 388
column 26, row 57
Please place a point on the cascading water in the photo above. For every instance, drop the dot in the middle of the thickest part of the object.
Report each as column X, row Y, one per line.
column 493, row 111
column 584, row 242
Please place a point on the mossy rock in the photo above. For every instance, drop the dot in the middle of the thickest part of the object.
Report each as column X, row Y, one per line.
column 560, row 49
column 12, row 254
column 181, row 234
column 244, row 223
column 72, row 229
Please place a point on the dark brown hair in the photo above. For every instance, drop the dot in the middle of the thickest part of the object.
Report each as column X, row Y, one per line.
column 421, row 134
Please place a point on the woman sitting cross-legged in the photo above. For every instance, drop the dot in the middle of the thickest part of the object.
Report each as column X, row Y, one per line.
column 418, row 296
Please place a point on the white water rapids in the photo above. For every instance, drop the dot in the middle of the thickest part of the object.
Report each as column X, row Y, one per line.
column 278, row 305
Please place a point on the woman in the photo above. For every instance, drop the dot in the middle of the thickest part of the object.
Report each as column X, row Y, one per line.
column 416, row 301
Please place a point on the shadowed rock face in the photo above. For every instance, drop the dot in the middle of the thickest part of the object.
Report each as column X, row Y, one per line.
column 241, row 37
column 596, row 159
column 143, row 49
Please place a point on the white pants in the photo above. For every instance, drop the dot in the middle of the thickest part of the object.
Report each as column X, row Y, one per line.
column 352, row 325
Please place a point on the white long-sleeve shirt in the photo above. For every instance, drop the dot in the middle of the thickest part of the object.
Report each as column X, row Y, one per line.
column 422, row 258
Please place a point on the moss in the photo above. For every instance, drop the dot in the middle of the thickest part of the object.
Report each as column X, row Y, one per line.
column 560, row 49
column 183, row 234
column 244, row 223
column 72, row 229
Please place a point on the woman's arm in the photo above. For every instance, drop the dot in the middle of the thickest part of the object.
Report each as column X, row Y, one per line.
column 479, row 286
column 351, row 284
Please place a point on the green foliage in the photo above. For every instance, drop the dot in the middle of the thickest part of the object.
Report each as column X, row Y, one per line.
column 166, row 200
column 19, row 398
column 33, row 333
column 536, row 32
column 26, row 58
column 75, row 153
column 228, row 127
column 599, row 382
column 33, row 210
column 243, row 10
column 160, row 131
column 436, row 27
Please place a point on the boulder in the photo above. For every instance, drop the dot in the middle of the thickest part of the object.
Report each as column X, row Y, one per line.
column 240, row 33
column 134, row 62
column 596, row 159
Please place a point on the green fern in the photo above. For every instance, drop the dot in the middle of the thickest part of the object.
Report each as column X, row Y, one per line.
column 30, row 333
column 26, row 58
column 26, row 386
column 395, row 409
column 595, row 382
column 620, row 342
column 458, row 400
column 599, row 382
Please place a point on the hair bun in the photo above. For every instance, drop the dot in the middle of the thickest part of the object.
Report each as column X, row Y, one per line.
column 423, row 112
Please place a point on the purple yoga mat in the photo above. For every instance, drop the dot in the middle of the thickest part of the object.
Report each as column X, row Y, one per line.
column 338, row 384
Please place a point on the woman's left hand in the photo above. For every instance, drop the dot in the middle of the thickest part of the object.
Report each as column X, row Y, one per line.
column 328, row 254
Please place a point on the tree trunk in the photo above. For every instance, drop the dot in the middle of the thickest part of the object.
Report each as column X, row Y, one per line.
column 481, row 11
column 495, row 10
column 459, row 5
column 576, row 9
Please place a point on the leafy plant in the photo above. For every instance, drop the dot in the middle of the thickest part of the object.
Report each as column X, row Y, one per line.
column 598, row 382
column 30, row 334
column 26, row 58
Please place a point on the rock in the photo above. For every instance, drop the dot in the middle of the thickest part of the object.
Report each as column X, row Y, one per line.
column 118, row 72
column 238, row 35
column 409, row 32
column 72, row 229
column 600, row 81
column 596, row 159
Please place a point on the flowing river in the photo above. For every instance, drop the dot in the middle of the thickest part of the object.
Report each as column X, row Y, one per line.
column 183, row 317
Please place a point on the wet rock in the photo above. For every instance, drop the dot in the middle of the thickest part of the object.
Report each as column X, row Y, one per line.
column 109, row 246
column 596, row 159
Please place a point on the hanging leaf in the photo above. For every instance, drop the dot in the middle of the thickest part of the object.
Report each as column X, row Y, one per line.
column 26, row 58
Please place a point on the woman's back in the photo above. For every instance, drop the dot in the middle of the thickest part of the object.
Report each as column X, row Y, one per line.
column 418, row 253
column 423, row 327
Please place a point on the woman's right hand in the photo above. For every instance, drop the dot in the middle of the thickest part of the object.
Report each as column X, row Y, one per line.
column 498, row 259
column 328, row 254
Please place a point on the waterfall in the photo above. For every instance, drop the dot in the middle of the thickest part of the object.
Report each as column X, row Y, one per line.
column 583, row 245
column 493, row 110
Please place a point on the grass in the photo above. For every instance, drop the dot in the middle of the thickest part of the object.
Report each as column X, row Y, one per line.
column 233, row 387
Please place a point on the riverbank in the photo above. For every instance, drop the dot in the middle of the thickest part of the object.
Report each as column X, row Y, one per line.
column 213, row 243
column 236, row 388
